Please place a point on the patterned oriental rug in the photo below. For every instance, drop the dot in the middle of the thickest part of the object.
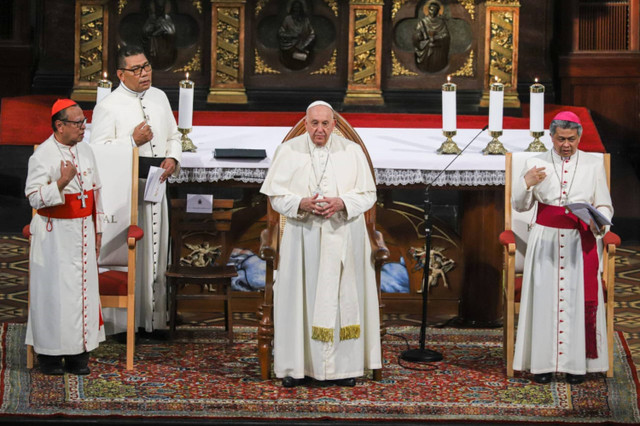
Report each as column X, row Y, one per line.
column 198, row 376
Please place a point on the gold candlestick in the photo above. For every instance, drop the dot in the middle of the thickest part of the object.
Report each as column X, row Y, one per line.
column 495, row 147
column 449, row 146
column 536, row 145
column 187, row 144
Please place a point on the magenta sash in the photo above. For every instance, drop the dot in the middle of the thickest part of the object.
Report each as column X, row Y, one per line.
column 556, row 217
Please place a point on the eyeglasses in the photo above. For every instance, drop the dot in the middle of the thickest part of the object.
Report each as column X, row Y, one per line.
column 137, row 71
column 78, row 123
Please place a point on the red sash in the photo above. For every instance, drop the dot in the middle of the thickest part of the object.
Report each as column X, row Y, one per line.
column 556, row 217
column 71, row 209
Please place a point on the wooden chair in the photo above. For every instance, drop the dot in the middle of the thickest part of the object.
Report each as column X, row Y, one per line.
column 117, row 287
column 514, row 239
column 270, row 241
column 199, row 252
column 120, row 233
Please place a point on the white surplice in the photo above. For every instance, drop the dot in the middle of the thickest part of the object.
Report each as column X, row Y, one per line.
column 551, row 326
column 114, row 120
column 296, row 172
column 64, row 305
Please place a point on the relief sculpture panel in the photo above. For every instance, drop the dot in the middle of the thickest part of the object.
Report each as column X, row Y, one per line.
column 170, row 32
column 295, row 37
column 432, row 39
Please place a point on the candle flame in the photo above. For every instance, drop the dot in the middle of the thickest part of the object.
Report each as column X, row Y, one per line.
column 448, row 79
column 496, row 77
column 187, row 76
column 536, row 80
column 104, row 75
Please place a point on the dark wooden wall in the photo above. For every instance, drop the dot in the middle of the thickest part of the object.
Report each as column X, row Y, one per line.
column 46, row 38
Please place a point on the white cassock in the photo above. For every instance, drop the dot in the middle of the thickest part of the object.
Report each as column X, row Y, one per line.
column 326, row 277
column 64, row 306
column 551, row 326
column 114, row 120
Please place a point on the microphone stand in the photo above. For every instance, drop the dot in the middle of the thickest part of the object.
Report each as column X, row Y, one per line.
column 423, row 354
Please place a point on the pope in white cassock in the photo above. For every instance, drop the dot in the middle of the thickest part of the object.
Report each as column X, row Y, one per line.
column 62, row 184
column 562, row 325
column 326, row 315
column 136, row 113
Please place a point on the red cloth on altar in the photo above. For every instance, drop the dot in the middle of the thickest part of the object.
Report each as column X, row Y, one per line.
column 26, row 120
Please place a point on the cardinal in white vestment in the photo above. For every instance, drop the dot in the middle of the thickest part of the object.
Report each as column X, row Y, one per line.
column 562, row 324
column 140, row 115
column 326, row 315
column 65, row 321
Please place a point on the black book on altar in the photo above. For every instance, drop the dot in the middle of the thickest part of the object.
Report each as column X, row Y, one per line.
column 145, row 162
column 240, row 153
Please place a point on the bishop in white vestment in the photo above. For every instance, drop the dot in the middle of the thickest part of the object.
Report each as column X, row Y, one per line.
column 137, row 114
column 63, row 186
column 326, row 315
column 562, row 325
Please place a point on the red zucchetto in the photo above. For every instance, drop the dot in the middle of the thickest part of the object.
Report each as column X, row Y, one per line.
column 61, row 104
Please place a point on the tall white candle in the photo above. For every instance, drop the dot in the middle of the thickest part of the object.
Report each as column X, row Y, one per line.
column 496, row 102
column 104, row 88
column 185, row 104
column 536, row 110
column 449, row 123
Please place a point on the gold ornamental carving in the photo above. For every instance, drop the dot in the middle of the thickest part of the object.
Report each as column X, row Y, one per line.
column 198, row 5
column 260, row 67
column 333, row 5
column 365, row 54
column 467, row 69
column 227, row 52
column 195, row 64
column 515, row 3
column 364, row 59
column 91, row 28
column 501, row 45
column 501, row 50
column 228, row 39
column 397, row 4
column 121, row 5
column 397, row 68
column 260, row 4
column 470, row 6
column 330, row 68
column 366, row 2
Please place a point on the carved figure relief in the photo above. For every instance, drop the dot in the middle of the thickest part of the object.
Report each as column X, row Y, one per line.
column 439, row 265
column 168, row 37
column 431, row 39
column 296, row 37
column 201, row 255
column 159, row 36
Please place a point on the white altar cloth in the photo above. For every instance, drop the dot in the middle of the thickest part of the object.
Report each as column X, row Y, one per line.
column 400, row 156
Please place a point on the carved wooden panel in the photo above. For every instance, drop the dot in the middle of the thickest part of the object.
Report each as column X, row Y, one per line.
column 171, row 32
column 296, row 44
column 91, row 47
column 425, row 49
column 607, row 25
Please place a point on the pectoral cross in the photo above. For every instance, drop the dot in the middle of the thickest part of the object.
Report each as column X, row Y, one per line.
column 83, row 197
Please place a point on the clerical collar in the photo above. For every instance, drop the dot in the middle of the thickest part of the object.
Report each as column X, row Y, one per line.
column 138, row 94
column 573, row 157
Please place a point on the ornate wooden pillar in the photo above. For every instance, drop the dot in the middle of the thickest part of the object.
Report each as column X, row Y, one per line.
column 91, row 47
column 365, row 52
column 227, row 52
column 501, row 49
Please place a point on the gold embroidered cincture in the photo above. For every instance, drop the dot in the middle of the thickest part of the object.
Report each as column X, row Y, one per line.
column 350, row 332
column 322, row 334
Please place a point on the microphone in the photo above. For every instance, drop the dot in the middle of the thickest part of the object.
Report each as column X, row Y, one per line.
column 457, row 155
column 423, row 354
